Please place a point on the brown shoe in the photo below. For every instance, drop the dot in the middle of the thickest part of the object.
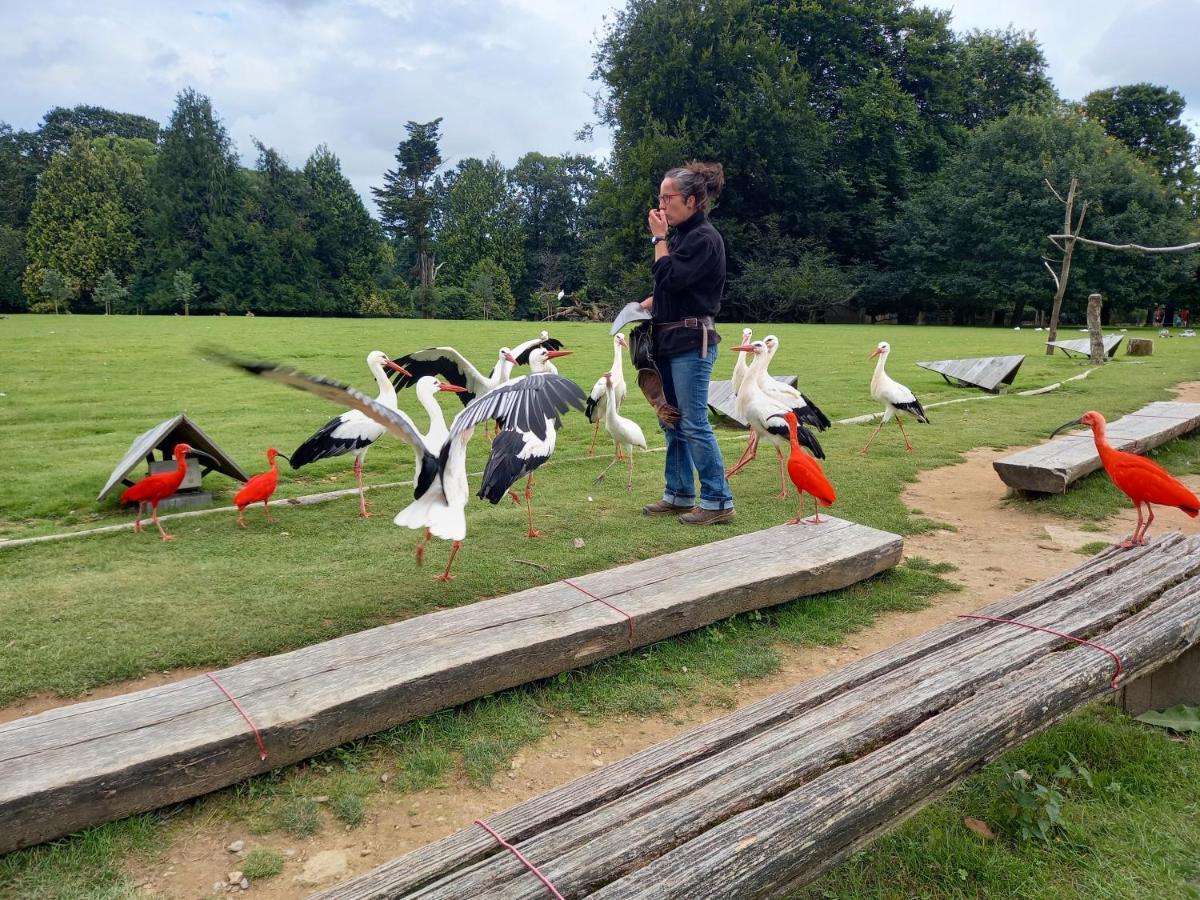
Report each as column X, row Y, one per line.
column 700, row 516
column 663, row 508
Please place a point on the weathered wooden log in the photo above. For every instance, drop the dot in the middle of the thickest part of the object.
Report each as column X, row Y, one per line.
column 1139, row 347
column 1050, row 468
column 784, row 844
column 92, row 762
column 611, row 822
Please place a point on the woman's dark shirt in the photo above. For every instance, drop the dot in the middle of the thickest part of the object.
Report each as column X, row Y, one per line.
column 688, row 281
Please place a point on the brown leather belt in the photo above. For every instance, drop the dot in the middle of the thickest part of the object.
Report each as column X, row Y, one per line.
column 702, row 322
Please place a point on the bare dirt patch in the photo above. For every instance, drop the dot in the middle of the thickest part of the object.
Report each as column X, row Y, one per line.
column 997, row 549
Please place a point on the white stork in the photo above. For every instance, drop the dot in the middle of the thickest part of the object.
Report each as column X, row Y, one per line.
column 449, row 364
column 609, row 388
column 625, row 434
column 525, row 437
column 895, row 397
column 742, row 365
column 352, row 431
column 765, row 415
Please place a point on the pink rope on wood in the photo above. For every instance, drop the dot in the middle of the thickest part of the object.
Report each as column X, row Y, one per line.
column 262, row 748
column 606, row 603
column 1116, row 676
column 521, row 856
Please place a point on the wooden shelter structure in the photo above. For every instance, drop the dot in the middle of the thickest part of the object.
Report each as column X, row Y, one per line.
column 1083, row 346
column 992, row 373
column 92, row 762
column 765, row 799
column 1052, row 467
column 163, row 437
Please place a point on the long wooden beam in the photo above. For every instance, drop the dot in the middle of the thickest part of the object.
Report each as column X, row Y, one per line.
column 92, row 762
column 609, row 827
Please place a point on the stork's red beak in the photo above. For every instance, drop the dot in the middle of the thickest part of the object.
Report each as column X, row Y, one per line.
column 392, row 364
column 874, row 353
column 447, row 386
column 512, row 359
column 744, row 348
column 555, row 354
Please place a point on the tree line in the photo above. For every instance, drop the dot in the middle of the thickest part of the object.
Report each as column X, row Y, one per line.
column 877, row 162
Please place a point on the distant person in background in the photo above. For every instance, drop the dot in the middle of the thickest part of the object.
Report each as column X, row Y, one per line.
column 1183, row 318
column 1158, row 314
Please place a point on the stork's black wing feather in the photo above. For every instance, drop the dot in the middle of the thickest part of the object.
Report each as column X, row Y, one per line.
column 523, row 404
column 324, row 445
column 521, row 351
column 813, row 415
column 441, row 362
column 777, row 425
column 915, row 408
column 504, row 465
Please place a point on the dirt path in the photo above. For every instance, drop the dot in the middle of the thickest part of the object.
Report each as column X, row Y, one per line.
column 997, row 549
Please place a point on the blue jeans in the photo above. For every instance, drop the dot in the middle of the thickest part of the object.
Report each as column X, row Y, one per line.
column 692, row 447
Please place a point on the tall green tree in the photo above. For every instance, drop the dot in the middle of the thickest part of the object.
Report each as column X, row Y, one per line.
column 196, row 194
column 1001, row 71
column 490, row 292
column 481, row 220
column 1147, row 119
column 109, row 293
column 88, row 212
column 61, row 126
column 349, row 245
column 406, row 201
column 974, row 238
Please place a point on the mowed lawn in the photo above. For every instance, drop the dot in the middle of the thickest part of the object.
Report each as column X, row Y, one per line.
column 77, row 389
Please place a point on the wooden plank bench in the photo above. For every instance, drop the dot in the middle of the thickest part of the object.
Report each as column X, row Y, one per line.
column 761, row 801
column 1083, row 346
column 987, row 372
column 1052, row 467
column 92, row 762
column 722, row 401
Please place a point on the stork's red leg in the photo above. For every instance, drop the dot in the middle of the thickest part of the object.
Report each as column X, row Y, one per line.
column 154, row 512
column 747, row 456
column 595, row 434
column 421, row 548
column 907, row 443
column 446, row 576
column 782, row 495
column 362, row 497
column 872, row 437
column 533, row 532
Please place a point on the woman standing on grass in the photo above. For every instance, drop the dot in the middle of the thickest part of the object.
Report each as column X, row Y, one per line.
column 689, row 279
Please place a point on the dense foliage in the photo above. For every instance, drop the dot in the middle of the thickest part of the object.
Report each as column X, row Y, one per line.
column 877, row 163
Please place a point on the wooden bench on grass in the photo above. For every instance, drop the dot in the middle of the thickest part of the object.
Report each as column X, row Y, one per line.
column 764, row 800
column 1083, row 346
column 723, row 402
column 1052, row 467
column 92, row 762
column 992, row 373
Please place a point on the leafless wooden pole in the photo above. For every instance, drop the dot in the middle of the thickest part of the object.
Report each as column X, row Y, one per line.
column 1067, row 247
column 1098, row 357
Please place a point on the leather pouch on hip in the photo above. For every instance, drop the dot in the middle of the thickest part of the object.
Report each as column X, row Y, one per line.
column 649, row 378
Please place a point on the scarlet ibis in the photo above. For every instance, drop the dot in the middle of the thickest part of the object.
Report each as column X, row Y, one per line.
column 743, row 364
column 259, row 488
column 160, row 486
column 1140, row 479
column 896, row 398
column 764, row 413
column 806, row 475
column 352, row 431
column 625, row 434
column 609, row 387
column 524, row 442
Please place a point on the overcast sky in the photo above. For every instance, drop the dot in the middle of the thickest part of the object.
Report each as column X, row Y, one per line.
column 507, row 76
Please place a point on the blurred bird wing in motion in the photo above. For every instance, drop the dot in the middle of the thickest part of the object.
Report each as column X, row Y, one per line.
column 630, row 312
column 525, row 404
column 521, row 352
column 393, row 420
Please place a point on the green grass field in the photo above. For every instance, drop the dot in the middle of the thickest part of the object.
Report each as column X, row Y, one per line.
column 91, row 610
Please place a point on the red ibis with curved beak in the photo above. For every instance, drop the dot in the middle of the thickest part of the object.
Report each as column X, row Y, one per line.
column 259, row 488
column 154, row 488
column 806, row 475
column 894, row 396
column 1140, row 479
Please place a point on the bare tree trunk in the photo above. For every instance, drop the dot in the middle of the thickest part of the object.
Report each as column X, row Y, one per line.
column 1068, row 247
column 1093, row 320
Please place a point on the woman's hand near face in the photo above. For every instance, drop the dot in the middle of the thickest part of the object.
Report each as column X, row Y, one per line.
column 658, row 222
